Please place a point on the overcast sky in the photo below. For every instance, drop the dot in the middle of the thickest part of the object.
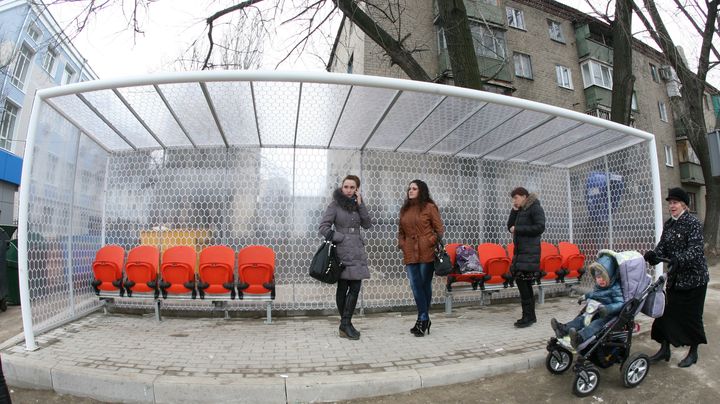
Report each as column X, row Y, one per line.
column 170, row 26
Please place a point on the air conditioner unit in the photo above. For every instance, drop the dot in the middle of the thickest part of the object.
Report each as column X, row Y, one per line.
column 666, row 73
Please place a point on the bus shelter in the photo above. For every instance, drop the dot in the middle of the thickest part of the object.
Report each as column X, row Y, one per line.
column 241, row 158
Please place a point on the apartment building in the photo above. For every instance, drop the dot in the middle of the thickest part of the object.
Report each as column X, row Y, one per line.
column 34, row 54
column 548, row 52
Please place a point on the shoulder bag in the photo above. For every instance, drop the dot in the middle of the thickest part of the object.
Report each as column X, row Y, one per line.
column 442, row 264
column 326, row 266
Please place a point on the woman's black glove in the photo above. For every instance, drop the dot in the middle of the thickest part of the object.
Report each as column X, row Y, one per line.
column 651, row 257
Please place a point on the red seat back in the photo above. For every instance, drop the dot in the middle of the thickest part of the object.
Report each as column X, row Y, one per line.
column 107, row 266
column 572, row 260
column 256, row 269
column 550, row 260
column 217, row 264
column 142, row 267
column 178, row 267
column 494, row 261
column 452, row 251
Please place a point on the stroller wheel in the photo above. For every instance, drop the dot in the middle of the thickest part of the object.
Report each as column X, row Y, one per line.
column 558, row 360
column 586, row 381
column 635, row 369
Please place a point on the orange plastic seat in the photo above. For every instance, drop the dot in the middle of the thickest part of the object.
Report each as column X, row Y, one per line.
column 216, row 271
column 572, row 260
column 107, row 269
column 474, row 279
column 551, row 262
column 178, row 271
column 141, row 270
column 256, row 271
column 495, row 263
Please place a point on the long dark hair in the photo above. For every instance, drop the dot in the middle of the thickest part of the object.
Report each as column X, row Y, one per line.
column 422, row 199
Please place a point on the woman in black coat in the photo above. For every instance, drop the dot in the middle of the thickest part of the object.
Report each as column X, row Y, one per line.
column 346, row 214
column 682, row 243
column 527, row 224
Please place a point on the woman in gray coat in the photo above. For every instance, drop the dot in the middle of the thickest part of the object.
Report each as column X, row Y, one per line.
column 347, row 213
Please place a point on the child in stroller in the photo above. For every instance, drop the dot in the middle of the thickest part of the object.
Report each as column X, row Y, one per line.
column 608, row 342
column 602, row 304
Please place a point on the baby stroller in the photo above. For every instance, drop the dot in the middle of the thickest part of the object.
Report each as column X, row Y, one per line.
column 612, row 343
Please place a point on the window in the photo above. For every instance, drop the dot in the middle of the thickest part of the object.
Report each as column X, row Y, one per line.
column 442, row 44
column 350, row 63
column 22, row 65
column 7, row 125
column 708, row 101
column 654, row 73
column 523, row 67
column 34, row 32
column 488, row 42
column 692, row 206
column 668, row 156
column 515, row 18
column 67, row 75
column 663, row 111
column 555, row 30
column 596, row 74
column 49, row 61
column 564, row 77
column 633, row 102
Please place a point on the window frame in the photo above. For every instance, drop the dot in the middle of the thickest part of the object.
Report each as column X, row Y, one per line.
column 669, row 160
column 68, row 74
column 483, row 36
column 523, row 57
column 34, row 32
column 49, row 54
column 551, row 23
column 18, row 76
column 559, row 70
column 662, row 109
column 8, row 127
column 595, row 73
column 692, row 198
column 634, row 102
column 518, row 18
column 654, row 73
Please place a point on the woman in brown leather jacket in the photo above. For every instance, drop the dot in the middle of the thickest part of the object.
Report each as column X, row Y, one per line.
column 419, row 230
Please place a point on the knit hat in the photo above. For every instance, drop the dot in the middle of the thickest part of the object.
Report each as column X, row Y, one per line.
column 678, row 194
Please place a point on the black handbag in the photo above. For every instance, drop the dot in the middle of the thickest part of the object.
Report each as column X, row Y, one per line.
column 326, row 266
column 442, row 263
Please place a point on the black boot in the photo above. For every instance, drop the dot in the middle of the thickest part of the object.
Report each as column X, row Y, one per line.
column 691, row 357
column 663, row 354
column 346, row 328
column 528, row 317
column 559, row 328
column 416, row 328
column 424, row 328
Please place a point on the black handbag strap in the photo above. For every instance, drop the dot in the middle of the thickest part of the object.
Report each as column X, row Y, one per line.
column 330, row 235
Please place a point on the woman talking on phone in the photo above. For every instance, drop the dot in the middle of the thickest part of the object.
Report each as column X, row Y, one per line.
column 347, row 213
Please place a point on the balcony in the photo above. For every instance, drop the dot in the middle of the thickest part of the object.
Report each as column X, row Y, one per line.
column 589, row 48
column 481, row 11
column 488, row 66
column 691, row 173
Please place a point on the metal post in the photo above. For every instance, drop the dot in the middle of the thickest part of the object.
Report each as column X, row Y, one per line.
column 268, row 311
column 103, row 235
column 157, row 304
column 657, row 198
column 609, row 202
column 569, row 208
column 70, row 232
column 448, row 302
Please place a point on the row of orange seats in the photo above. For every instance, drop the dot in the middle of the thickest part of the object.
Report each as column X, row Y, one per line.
column 556, row 264
column 176, row 274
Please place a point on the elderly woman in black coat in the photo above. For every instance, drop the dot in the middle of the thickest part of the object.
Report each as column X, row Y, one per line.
column 347, row 213
column 527, row 224
column 682, row 243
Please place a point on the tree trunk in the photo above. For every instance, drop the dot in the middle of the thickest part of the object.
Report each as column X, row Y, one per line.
column 461, row 50
column 623, row 78
column 398, row 54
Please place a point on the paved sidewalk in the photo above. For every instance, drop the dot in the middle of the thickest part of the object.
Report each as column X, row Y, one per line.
column 295, row 359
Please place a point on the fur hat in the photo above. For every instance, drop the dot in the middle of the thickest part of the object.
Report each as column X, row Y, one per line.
column 606, row 267
column 678, row 194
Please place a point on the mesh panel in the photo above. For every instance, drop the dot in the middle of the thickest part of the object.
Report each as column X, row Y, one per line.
column 276, row 196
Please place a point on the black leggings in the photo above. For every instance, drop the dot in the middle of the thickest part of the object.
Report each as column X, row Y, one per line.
column 346, row 288
column 526, row 290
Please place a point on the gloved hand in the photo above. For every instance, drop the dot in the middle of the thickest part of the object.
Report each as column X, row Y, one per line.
column 581, row 299
column 602, row 311
column 651, row 257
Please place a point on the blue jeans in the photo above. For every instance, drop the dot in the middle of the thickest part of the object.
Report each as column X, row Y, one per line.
column 592, row 328
column 420, row 276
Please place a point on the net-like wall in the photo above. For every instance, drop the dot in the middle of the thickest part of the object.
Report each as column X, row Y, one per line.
column 82, row 197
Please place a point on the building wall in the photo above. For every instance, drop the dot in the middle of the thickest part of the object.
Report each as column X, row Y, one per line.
column 545, row 54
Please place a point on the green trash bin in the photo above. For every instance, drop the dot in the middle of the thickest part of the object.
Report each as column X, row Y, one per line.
column 9, row 283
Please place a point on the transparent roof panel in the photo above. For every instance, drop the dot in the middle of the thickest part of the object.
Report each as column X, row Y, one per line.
column 233, row 102
column 89, row 122
column 363, row 111
column 112, row 108
column 320, row 109
column 335, row 111
column 152, row 110
column 409, row 111
column 189, row 105
column 276, row 107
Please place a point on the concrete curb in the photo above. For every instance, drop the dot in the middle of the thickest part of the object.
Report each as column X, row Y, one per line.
column 107, row 385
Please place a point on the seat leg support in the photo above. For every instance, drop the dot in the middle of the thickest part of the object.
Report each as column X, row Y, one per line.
column 448, row 302
column 541, row 295
column 158, row 302
column 268, row 309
